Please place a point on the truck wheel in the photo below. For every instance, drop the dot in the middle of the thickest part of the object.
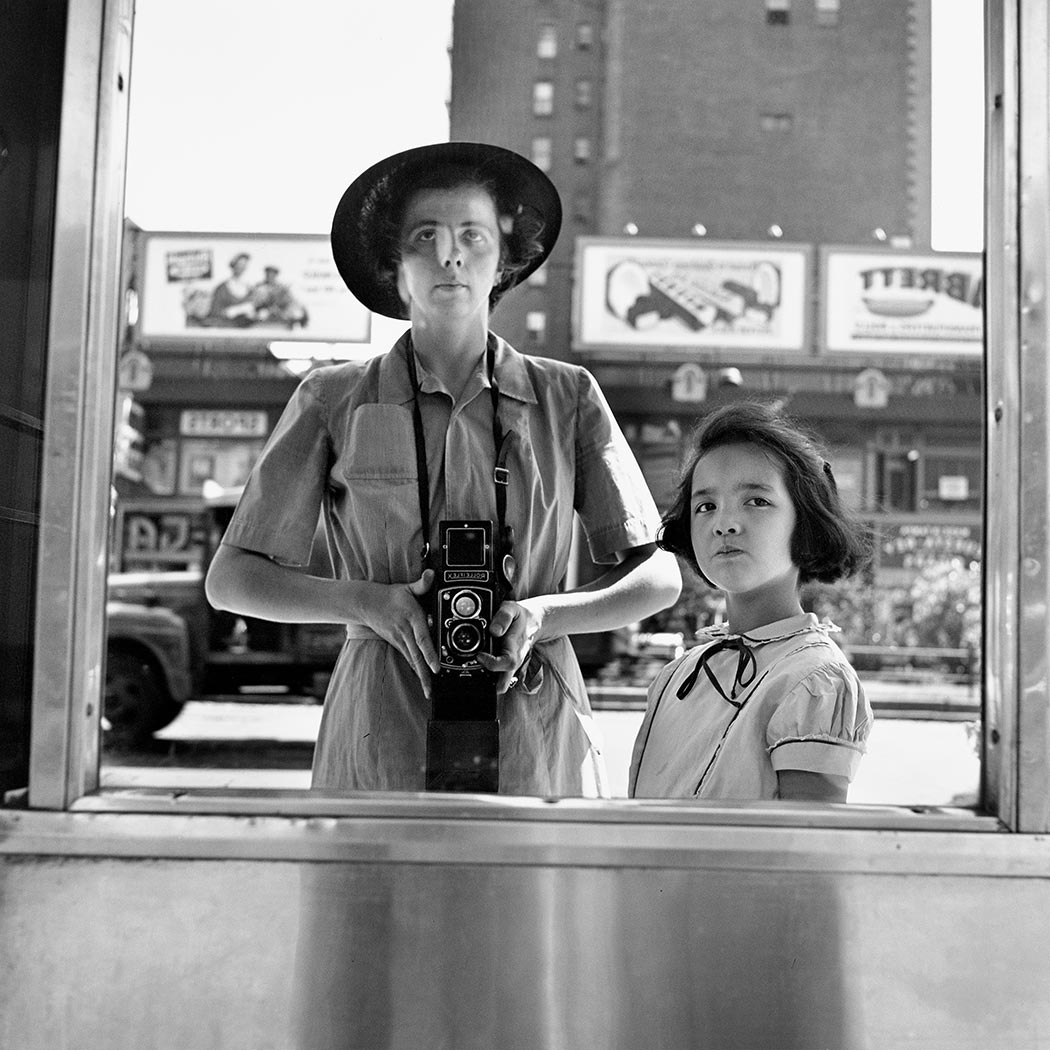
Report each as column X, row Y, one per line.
column 137, row 702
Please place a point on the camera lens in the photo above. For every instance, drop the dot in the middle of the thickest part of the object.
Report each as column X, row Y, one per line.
column 466, row 604
column 465, row 637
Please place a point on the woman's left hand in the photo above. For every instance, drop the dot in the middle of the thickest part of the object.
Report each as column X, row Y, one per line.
column 517, row 624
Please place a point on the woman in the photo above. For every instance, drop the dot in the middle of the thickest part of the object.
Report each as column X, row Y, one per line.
column 231, row 302
column 437, row 235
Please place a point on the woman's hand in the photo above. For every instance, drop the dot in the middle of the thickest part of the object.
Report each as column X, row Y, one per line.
column 393, row 611
column 517, row 624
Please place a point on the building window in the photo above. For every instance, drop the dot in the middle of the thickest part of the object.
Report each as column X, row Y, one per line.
column 778, row 12
column 775, row 121
column 536, row 327
column 581, row 207
column 584, row 93
column 541, row 152
column 827, row 12
column 581, row 150
column 896, row 479
column 542, row 98
column 584, row 36
column 950, row 480
column 538, row 279
column 547, row 44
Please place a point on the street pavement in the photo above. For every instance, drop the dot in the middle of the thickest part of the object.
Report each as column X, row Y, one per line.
column 238, row 743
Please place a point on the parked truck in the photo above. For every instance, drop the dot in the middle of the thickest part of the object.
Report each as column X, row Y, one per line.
column 166, row 644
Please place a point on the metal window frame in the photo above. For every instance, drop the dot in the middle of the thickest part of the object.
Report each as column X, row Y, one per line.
column 81, row 381
column 80, row 404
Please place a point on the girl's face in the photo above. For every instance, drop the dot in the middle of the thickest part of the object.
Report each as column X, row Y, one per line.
column 450, row 251
column 741, row 528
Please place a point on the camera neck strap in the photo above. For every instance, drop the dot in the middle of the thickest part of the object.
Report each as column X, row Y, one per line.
column 500, row 474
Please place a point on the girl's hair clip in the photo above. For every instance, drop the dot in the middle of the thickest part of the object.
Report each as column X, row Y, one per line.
column 831, row 477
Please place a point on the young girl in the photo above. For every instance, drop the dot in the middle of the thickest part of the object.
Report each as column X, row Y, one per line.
column 767, row 705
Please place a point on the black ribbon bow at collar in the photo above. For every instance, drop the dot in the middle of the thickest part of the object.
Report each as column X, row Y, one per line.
column 746, row 669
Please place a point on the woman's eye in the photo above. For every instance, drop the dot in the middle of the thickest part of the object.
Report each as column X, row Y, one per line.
column 473, row 235
column 760, row 501
column 704, row 508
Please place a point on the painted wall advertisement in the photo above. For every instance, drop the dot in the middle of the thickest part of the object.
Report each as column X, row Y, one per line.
column 246, row 287
column 632, row 293
column 891, row 301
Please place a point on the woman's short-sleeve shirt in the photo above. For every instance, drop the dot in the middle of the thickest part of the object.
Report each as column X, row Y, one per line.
column 344, row 450
column 802, row 707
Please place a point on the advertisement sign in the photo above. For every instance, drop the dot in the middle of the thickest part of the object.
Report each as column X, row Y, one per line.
column 916, row 545
column 195, row 422
column 246, row 287
column 891, row 301
column 633, row 293
column 159, row 537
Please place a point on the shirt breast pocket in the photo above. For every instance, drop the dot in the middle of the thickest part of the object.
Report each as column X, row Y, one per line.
column 380, row 507
column 380, row 445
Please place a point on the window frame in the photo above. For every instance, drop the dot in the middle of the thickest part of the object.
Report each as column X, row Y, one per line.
column 79, row 421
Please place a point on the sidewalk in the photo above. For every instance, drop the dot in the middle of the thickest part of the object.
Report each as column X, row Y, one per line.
column 216, row 744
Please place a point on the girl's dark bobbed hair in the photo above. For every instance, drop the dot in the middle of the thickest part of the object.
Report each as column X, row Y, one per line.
column 829, row 542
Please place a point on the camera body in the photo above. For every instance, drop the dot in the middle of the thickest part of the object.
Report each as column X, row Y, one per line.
column 463, row 731
column 464, row 598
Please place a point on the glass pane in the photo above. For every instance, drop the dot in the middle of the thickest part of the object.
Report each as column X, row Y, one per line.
column 810, row 238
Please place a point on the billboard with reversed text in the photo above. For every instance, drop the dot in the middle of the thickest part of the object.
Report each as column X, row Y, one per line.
column 245, row 288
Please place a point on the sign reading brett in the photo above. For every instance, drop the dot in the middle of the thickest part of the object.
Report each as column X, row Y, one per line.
column 633, row 293
column 247, row 288
column 892, row 301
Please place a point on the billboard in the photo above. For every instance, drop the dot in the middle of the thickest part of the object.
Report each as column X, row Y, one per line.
column 633, row 293
column 245, row 287
column 893, row 301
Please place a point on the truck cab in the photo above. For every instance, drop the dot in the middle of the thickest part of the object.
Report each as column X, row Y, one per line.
column 166, row 644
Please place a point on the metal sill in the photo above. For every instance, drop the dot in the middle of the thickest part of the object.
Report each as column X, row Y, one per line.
column 296, row 827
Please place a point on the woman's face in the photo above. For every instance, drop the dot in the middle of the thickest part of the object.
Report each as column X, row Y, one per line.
column 450, row 252
column 742, row 521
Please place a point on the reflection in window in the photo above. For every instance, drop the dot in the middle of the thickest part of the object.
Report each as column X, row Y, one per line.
column 547, row 45
column 775, row 121
column 778, row 12
column 543, row 98
column 896, row 479
column 536, row 326
column 581, row 150
column 827, row 12
column 584, row 93
column 951, row 480
column 541, row 152
column 911, row 497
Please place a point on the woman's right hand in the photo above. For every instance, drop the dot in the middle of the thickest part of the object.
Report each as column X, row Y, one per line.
column 393, row 611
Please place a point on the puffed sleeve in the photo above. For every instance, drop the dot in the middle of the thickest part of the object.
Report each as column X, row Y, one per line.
column 612, row 498
column 278, row 511
column 822, row 725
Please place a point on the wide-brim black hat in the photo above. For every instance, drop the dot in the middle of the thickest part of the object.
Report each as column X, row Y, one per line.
column 522, row 190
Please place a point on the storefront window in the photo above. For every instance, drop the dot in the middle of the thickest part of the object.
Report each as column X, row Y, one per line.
column 765, row 328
